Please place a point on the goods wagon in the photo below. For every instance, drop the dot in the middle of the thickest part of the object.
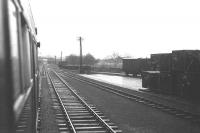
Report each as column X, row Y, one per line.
column 166, row 82
column 151, row 80
column 158, row 81
column 186, row 61
column 186, row 85
column 161, row 62
column 176, row 73
column 135, row 66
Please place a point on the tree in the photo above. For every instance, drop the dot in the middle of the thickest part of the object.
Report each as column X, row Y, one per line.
column 88, row 59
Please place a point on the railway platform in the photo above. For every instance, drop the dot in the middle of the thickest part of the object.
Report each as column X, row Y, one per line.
column 108, row 73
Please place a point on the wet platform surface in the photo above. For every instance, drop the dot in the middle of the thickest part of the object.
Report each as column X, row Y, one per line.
column 126, row 82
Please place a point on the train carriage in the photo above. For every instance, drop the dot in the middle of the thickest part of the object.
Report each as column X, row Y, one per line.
column 19, row 75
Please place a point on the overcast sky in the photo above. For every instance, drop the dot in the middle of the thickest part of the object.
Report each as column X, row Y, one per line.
column 128, row 27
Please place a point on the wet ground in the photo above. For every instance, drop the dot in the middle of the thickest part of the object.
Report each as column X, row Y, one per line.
column 126, row 82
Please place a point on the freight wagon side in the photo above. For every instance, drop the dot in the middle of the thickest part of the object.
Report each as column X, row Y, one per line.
column 135, row 66
column 127, row 65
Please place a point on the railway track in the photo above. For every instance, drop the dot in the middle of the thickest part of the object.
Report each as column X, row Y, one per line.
column 73, row 114
column 194, row 118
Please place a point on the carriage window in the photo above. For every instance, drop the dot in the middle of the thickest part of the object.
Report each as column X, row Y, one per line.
column 14, row 49
column 26, row 55
column 31, row 53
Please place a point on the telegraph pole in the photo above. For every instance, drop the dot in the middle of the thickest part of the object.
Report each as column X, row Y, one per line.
column 80, row 68
column 61, row 57
column 55, row 59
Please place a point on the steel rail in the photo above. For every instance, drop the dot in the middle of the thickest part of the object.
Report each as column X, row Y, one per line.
column 63, row 107
column 109, row 128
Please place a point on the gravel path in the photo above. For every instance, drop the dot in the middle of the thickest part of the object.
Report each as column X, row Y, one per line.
column 48, row 123
column 130, row 116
